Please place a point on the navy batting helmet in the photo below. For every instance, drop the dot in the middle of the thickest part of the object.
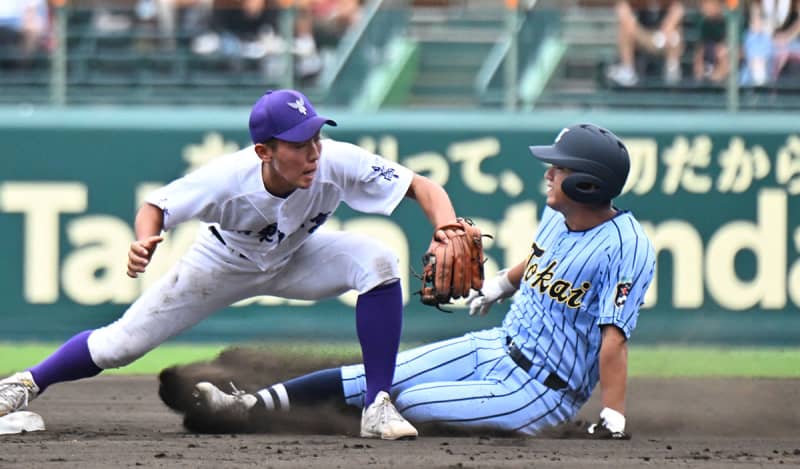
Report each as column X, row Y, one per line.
column 598, row 159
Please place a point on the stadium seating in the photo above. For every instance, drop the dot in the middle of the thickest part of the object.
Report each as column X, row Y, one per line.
column 588, row 29
column 460, row 52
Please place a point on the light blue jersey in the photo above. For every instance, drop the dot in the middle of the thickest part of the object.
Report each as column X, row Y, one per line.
column 574, row 282
column 541, row 365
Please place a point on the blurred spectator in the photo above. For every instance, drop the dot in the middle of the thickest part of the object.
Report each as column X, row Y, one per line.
column 148, row 24
column 107, row 21
column 787, row 40
column 320, row 23
column 331, row 18
column 711, row 58
column 308, row 61
column 771, row 41
column 240, row 29
column 654, row 26
column 24, row 28
column 182, row 17
column 251, row 30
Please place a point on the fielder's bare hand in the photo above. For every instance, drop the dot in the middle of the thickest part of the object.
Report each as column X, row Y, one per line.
column 140, row 254
column 443, row 235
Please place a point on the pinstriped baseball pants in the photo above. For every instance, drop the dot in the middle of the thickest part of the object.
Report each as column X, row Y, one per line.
column 469, row 382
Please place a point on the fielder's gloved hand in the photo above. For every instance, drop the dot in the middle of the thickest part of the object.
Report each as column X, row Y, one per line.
column 453, row 265
column 494, row 290
column 611, row 426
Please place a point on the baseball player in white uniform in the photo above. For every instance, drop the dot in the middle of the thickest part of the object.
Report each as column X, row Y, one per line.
column 263, row 206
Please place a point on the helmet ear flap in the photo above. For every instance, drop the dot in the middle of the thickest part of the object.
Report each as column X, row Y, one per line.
column 585, row 188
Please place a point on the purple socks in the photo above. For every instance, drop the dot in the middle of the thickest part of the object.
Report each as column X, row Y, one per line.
column 379, row 321
column 70, row 362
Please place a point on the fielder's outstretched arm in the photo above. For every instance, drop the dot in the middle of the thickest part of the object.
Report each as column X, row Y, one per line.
column 433, row 200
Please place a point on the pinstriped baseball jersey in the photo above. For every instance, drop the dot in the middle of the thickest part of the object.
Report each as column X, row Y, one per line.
column 574, row 282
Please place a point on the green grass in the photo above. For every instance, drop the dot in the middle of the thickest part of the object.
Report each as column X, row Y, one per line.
column 17, row 356
column 643, row 361
column 716, row 362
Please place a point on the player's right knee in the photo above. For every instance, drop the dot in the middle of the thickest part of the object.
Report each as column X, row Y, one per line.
column 109, row 351
column 385, row 264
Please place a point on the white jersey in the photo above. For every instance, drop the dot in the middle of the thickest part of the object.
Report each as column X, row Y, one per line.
column 229, row 193
column 268, row 232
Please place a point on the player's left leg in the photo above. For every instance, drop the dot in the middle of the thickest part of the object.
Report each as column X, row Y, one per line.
column 470, row 382
column 448, row 360
column 313, row 389
column 332, row 263
column 507, row 399
column 461, row 358
column 470, row 356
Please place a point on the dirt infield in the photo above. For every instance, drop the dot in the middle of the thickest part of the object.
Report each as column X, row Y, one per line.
column 111, row 422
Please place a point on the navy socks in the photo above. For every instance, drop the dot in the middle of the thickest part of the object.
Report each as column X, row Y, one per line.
column 314, row 388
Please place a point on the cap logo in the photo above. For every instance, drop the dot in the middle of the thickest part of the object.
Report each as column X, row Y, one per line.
column 561, row 134
column 299, row 105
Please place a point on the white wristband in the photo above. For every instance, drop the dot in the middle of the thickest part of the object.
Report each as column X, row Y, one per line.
column 505, row 284
column 615, row 421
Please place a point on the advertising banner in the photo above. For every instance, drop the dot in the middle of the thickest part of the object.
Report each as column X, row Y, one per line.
column 714, row 192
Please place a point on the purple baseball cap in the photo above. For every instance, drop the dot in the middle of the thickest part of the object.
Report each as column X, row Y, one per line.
column 286, row 115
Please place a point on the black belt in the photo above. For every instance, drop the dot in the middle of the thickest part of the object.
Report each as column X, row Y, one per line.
column 215, row 232
column 551, row 380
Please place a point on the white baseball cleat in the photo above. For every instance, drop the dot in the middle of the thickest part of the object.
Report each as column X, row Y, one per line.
column 214, row 400
column 16, row 392
column 21, row 421
column 382, row 420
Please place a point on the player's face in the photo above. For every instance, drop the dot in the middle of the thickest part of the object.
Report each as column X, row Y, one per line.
column 556, row 198
column 292, row 165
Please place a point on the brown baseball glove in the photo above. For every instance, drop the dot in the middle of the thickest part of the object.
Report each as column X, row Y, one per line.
column 451, row 270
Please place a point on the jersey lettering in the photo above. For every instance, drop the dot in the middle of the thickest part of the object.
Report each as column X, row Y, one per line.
column 536, row 251
column 560, row 290
column 540, row 279
column 318, row 220
column 268, row 233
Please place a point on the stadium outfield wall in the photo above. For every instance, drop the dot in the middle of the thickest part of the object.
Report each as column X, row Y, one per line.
column 714, row 192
